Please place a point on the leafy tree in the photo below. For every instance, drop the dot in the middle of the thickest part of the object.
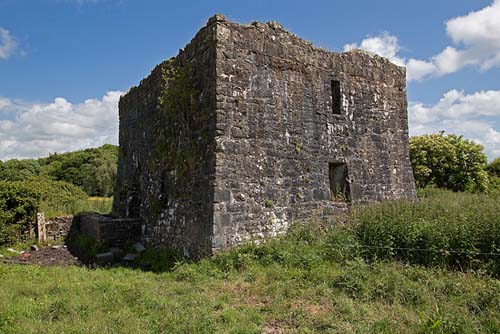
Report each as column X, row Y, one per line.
column 448, row 161
column 17, row 170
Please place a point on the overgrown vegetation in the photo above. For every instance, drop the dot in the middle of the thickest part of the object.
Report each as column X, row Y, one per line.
column 18, row 207
column 56, row 197
column 21, row 200
column 94, row 169
column 181, row 146
column 366, row 277
column 448, row 229
column 84, row 245
column 57, row 185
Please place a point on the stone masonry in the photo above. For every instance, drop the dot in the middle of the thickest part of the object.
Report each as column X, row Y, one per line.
column 251, row 128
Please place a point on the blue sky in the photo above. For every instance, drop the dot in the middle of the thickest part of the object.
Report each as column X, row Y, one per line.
column 64, row 63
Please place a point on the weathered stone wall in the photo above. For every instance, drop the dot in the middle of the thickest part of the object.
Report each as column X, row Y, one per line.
column 277, row 133
column 254, row 130
column 51, row 229
column 106, row 230
column 166, row 161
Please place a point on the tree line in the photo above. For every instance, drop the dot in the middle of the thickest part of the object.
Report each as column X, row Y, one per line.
column 441, row 160
column 93, row 169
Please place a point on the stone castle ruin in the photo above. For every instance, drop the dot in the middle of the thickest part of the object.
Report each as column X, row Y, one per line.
column 250, row 128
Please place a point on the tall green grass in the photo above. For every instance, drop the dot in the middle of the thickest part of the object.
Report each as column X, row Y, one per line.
column 457, row 230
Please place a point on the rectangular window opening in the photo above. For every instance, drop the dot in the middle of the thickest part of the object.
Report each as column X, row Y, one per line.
column 336, row 98
column 133, row 204
column 339, row 182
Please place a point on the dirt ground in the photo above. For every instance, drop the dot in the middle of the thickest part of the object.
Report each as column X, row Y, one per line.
column 48, row 256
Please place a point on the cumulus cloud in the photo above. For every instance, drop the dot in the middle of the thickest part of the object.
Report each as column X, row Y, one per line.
column 475, row 116
column 35, row 130
column 384, row 45
column 477, row 43
column 8, row 44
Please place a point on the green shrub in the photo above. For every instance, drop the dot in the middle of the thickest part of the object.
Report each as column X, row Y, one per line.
column 18, row 207
column 21, row 200
column 56, row 197
column 101, row 205
column 158, row 260
column 493, row 170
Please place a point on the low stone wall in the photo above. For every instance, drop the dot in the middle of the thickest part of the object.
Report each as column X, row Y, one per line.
column 50, row 229
column 107, row 230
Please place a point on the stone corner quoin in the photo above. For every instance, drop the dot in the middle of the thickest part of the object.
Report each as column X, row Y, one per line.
column 250, row 128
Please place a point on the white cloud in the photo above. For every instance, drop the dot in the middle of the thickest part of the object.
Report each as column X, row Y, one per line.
column 481, row 27
column 387, row 46
column 8, row 44
column 418, row 69
column 40, row 129
column 384, row 45
column 477, row 44
column 472, row 116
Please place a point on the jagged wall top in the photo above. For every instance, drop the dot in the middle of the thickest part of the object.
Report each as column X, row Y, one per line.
column 274, row 25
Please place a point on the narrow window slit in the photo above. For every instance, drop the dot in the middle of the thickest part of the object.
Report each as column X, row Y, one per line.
column 336, row 98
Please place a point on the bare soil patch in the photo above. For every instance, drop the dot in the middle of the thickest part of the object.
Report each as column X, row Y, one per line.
column 45, row 257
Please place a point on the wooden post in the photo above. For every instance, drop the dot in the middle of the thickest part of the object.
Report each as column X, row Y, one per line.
column 42, row 231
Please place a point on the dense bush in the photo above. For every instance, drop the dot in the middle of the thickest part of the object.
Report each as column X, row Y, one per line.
column 493, row 170
column 56, row 197
column 457, row 230
column 94, row 169
column 448, row 161
column 20, row 200
column 18, row 207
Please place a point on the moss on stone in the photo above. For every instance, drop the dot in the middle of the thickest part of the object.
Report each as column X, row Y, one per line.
column 178, row 103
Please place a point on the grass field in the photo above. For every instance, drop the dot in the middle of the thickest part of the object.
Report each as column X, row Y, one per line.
column 314, row 280
column 351, row 297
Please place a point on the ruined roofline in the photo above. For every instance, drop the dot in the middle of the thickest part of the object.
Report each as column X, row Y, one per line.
column 274, row 25
column 221, row 19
